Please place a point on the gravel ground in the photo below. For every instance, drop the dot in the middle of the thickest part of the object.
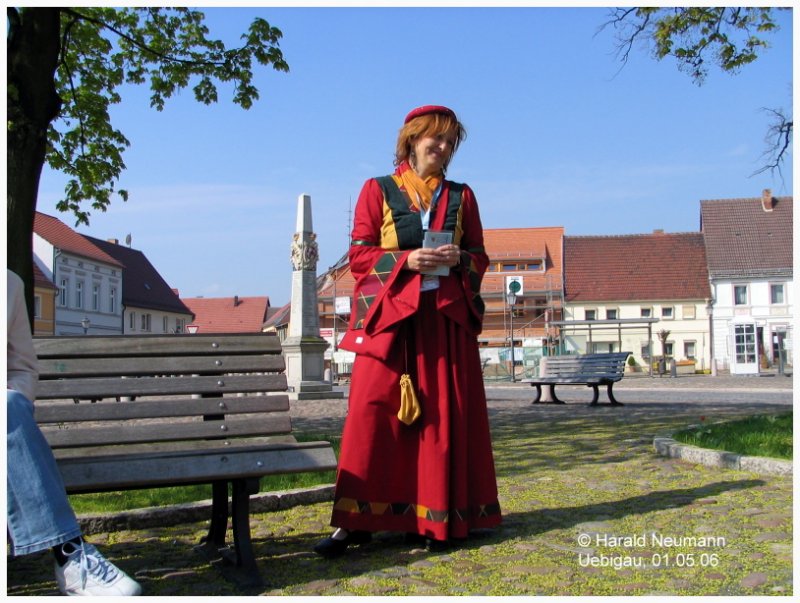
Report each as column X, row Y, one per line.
column 589, row 509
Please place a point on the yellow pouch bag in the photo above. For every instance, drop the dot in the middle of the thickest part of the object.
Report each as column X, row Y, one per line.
column 410, row 409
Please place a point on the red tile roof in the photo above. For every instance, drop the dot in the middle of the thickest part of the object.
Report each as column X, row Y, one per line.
column 40, row 280
column 651, row 267
column 58, row 234
column 744, row 240
column 142, row 285
column 228, row 314
column 525, row 244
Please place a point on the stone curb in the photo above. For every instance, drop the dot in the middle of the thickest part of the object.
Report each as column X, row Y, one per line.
column 155, row 517
column 719, row 458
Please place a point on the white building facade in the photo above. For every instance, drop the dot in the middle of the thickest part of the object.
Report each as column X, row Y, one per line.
column 89, row 297
column 752, row 323
column 634, row 326
column 749, row 243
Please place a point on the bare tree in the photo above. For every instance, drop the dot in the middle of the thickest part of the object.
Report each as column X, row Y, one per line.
column 696, row 37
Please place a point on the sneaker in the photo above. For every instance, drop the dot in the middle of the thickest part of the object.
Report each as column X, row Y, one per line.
column 88, row 573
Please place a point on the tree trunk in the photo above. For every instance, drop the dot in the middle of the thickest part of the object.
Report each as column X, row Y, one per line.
column 33, row 43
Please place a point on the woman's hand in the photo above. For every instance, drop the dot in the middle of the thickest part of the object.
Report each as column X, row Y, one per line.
column 427, row 259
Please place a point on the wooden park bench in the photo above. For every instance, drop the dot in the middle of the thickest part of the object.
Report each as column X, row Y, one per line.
column 167, row 410
column 592, row 370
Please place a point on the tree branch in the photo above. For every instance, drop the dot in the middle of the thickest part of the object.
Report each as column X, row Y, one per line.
column 141, row 45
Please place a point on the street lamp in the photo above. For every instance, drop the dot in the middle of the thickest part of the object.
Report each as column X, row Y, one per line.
column 511, row 299
column 85, row 324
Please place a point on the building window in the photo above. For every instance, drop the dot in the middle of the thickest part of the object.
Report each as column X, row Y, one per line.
column 509, row 267
column 79, row 294
column 740, row 295
column 645, row 351
column 668, row 349
column 165, row 324
column 96, row 298
column 591, row 314
column 62, row 292
column 534, row 266
column 688, row 312
column 776, row 294
column 180, row 325
column 745, row 343
column 491, row 268
column 690, row 350
column 112, row 300
column 37, row 306
column 146, row 322
column 612, row 314
column 132, row 321
column 667, row 312
column 646, row 312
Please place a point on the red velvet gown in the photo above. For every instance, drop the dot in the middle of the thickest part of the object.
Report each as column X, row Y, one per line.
column 435, row 477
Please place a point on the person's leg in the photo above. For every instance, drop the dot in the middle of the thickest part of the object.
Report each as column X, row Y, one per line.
column 39, row 513
column 40, row 516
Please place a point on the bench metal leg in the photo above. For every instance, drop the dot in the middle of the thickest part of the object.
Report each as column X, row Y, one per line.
column 237, row 564
column 246, row 572
column 611, row 397
column 612, row 401
column 549, row 394
column 215, row 539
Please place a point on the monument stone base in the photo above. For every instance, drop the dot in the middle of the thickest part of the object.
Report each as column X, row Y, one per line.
column 305, row 369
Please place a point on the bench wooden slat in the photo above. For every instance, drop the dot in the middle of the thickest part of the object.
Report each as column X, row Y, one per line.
column 95, row 474
column 165, row 431
column 158, row 386
column 67, row 412
column 121, row 451
column 158, row 365
column 101, row 346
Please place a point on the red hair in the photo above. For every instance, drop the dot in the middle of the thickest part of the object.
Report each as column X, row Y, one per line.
column 430, row 124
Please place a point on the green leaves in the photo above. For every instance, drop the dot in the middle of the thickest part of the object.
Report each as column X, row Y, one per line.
column 729, row 37
column 166, row 48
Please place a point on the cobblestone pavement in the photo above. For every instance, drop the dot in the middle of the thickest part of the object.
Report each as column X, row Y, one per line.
column 589, row 509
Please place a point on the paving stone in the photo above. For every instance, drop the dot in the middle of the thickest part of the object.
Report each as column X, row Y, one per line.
column 753, row 580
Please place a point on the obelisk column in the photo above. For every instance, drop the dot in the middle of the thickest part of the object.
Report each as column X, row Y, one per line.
column 304, row 349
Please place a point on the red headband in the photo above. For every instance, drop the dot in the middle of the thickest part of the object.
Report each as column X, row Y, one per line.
column 425, row 110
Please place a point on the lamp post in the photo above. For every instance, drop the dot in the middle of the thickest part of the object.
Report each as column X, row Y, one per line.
column 85, row 324
column 511, row 299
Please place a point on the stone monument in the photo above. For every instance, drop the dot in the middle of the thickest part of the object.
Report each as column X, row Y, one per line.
column 303, row 348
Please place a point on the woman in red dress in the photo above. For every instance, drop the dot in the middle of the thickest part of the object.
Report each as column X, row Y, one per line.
column 423, row 467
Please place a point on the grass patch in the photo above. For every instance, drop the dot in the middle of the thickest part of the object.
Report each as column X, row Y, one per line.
column 110, row 502
column 760, row 435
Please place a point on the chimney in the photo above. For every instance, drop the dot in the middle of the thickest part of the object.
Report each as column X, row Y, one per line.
column 113, row 241
column 767, row 200
column 235, row 300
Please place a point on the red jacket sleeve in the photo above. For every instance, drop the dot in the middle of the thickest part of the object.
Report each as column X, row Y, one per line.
column 384, row 292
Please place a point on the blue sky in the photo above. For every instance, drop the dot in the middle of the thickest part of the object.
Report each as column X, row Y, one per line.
column 558, row 135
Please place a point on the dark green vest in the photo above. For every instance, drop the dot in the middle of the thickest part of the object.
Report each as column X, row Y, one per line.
column 408, row 224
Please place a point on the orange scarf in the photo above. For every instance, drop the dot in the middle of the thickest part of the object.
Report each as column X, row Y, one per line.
column 420, row 191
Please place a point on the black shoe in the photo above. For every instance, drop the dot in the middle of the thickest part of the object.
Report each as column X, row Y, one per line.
column 414, row 539
column 436, row 546
column 330, row 547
